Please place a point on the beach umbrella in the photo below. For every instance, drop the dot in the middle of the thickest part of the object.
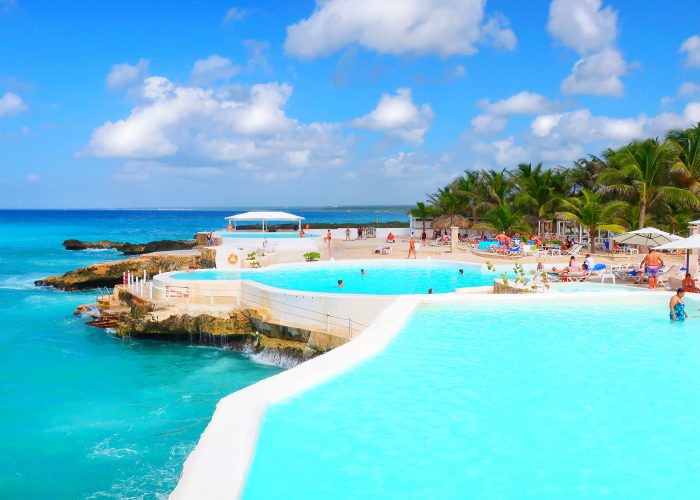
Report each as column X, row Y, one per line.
column 448, row 221
column 688, row 244
column 647, row 237
column 695, row 223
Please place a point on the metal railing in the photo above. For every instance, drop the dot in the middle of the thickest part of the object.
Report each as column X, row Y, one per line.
column 185, row 295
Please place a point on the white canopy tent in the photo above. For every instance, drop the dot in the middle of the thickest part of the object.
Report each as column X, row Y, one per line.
column 265, row 217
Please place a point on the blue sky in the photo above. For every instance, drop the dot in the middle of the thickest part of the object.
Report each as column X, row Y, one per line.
column 161, row 104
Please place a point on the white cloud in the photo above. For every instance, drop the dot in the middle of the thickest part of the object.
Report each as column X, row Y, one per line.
column 398, row 116
column 124, row 74
column 582, row 126
column 11, row 104
column 445, row 27
column 687, row 89
column 211, row 69
column 234, row 14
column 489, row 124
column 582, row 24
column 591, row 30
column 493, row 120
column 257, row 55
column 349, row 176
column 32, row 177
column 411, row 165
column 597, row 74
column 238, row 126
column 496, row 31
column 691, row 46
column 522, row 103
column 458, row 71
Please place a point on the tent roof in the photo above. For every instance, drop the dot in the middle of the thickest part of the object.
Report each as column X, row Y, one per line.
column 695, row 223
column 648, row 236
column 276, row 216
column 691, row 243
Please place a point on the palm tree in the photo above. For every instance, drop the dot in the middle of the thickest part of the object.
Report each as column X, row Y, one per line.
column 584, row 173
column 421, row 212
column 468, row 189
column 540, row 191
column 497, row 187
column 687, row 165
column 593, row 213
column 503, row 218
column 446, row 201
column 641, row 172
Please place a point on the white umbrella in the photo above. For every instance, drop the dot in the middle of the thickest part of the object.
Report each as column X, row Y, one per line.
column 690, row 243
column 695, row 223
column 648, row 237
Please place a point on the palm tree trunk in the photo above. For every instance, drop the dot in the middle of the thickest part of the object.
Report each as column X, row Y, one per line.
column 642, row 213
column 591, row 239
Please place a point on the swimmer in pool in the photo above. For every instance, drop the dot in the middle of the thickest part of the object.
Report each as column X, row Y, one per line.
column 341, row 284
column 461, row 272
column 430, row 291
column 362, row 272
column 677, row 307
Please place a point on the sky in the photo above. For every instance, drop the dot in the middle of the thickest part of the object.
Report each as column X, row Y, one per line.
column 335, row 102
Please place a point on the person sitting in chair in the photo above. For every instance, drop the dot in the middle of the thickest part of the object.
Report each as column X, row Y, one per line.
column 390, row 238
column 688, row 284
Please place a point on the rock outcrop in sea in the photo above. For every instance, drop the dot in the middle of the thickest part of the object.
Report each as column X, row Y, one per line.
column 131, row 248
column 111, row 273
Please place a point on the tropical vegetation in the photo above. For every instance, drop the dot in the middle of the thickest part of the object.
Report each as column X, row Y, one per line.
column 643, row 183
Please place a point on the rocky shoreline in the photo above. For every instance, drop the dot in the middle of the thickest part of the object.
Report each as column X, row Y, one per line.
column 111, row 273
column 131, row 248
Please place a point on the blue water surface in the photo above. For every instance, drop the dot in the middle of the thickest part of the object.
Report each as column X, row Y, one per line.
column 597, row 398
column 380, row 278
column 85, row 415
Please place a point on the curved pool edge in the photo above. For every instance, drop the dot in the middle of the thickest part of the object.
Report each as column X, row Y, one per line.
column 219, row 465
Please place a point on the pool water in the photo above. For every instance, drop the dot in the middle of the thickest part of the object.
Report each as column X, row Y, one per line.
column 381, row 278
column 271, row 236
column 502, row 401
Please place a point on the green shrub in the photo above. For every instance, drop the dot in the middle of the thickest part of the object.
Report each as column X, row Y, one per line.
column 311, row 256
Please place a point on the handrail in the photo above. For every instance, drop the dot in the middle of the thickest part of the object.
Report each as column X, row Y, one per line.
column 145, row 291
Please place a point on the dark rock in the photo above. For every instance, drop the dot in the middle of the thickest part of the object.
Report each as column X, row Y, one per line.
column 131, row 248
column 111, row 273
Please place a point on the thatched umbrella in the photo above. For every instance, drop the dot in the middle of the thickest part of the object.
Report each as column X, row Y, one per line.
column 447, row 221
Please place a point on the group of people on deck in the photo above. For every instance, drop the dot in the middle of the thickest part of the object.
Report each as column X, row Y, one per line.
column 574, row 269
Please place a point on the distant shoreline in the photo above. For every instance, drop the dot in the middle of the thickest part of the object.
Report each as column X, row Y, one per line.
column 213, row 209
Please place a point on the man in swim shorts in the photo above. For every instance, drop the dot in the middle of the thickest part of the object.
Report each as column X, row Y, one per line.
column 652, row 264
column 677, row 307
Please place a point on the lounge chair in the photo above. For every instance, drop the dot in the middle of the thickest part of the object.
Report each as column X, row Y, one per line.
column 574, row 250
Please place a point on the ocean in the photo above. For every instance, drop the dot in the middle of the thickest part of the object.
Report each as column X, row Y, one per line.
column 87, row 415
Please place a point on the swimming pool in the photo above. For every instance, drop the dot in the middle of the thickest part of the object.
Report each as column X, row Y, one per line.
column 380, row 278
column 270, row 236
column 500, row 399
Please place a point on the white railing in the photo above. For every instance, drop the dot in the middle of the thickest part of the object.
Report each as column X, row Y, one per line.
column 172, row 295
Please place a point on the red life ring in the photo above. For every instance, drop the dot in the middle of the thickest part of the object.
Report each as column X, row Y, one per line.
column 232, row 259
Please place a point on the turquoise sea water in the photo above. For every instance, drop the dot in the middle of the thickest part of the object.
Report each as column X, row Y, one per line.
column 588, row 399
column 380, row 278
column 85, row 415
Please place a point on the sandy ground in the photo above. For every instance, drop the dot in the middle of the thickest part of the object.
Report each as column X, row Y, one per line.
column 364, row 249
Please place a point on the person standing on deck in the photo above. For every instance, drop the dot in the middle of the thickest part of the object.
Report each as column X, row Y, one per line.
column 412, row 247
column 652, row 264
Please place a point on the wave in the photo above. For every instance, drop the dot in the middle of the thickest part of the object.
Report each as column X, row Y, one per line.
column 103, row 449
column 274, row 357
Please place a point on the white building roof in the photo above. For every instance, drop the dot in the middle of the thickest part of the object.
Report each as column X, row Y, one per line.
column 276, row 216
